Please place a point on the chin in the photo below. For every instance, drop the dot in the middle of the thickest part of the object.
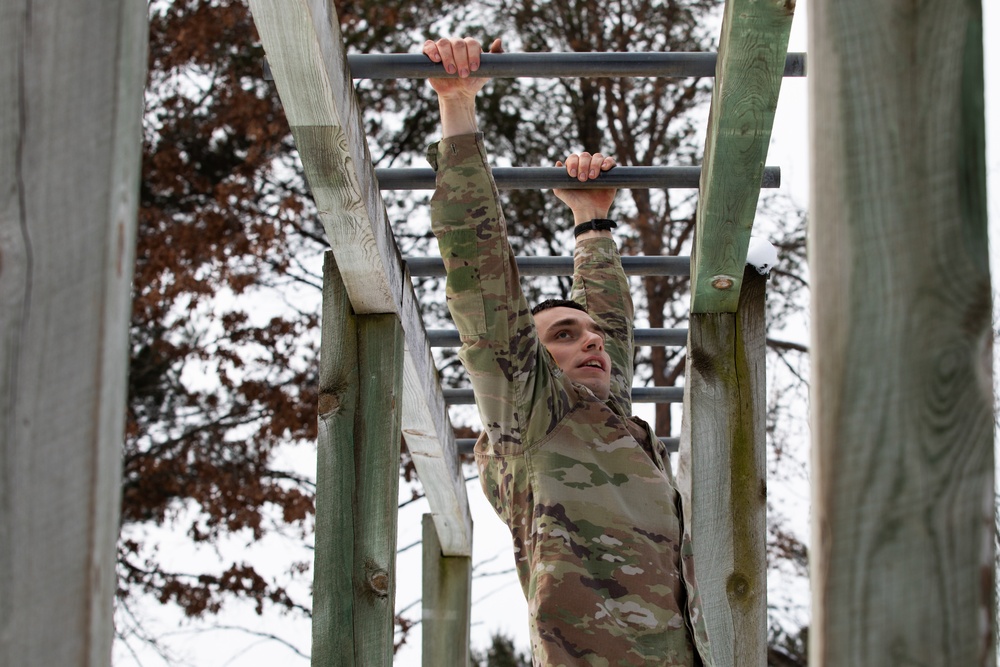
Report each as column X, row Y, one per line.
column 602, row 392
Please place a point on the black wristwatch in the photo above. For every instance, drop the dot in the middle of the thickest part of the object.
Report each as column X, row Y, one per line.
column 597, row 224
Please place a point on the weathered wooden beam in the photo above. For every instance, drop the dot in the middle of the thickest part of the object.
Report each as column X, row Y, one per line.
column 722, row 473
column 306, row 54
column 71, row 81
column 357, row 477
column 447, row 603
column 902, row 422
column 751, row 59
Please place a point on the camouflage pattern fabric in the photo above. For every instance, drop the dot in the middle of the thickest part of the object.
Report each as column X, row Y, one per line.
column 585, row 488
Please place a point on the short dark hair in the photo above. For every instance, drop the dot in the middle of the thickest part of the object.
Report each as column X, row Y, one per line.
column 557, row 303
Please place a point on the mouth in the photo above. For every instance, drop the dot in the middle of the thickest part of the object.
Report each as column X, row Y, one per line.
column 593, row 362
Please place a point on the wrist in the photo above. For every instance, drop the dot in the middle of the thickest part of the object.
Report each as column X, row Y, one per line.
column 583, row 215
column 457, row 97
column 458, row 115
column 595, row 228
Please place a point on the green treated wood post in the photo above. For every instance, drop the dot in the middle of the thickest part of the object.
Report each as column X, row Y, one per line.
column 376, row 495
column 722, row 473
column 902, row 402
column 71, row 82
column 447, row 603
column 357, row 482
column 333, row 603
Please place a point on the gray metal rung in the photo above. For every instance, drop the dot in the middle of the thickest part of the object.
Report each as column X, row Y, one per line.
column 642, row 337
column 639, row 395
column 466, row 445
column 545, row 178
column 641, row 265
column 553, row 65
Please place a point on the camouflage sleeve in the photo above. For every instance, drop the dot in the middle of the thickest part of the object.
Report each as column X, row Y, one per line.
column 600, row 286
column 500, row 350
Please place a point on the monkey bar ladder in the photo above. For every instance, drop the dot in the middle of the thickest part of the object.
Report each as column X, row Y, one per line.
column 378, row 377
column 902, row 384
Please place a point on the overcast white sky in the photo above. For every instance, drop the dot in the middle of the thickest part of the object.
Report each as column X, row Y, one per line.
column 498, row 603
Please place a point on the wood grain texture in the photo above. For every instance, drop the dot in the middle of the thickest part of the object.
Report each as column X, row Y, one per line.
column 752, row 51
column 306, row 54
column 71, row 80
column 430, row 439
column 305, row 51
column 334, row 566
column 722, row 473
column 357, row 481
column 446, row 603
column 376, row 491
column 902, row 405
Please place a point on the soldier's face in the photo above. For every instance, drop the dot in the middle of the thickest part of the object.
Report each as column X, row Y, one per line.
column 576, row 344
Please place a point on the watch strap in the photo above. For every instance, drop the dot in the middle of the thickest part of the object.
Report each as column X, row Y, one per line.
column 597, row 224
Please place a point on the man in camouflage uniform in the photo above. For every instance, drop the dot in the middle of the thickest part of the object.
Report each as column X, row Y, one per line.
column 585, row 488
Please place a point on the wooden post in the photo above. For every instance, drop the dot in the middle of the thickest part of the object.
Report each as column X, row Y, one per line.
column 722, row 473
column 447, row 603
column 71, row 80
column 357, row 488
column 902, row 404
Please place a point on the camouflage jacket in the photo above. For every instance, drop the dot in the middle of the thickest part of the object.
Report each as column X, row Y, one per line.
column 585, row 488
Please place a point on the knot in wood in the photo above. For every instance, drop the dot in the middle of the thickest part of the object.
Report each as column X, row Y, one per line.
column 378, row 581
column 723, row 282
column 327, row 403
column 738, row 586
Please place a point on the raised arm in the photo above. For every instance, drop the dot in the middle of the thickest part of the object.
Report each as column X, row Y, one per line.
column 599, row 283
column 500, row 348
column 457, row 97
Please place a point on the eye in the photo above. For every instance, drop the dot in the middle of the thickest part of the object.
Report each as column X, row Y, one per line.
column 563, row 335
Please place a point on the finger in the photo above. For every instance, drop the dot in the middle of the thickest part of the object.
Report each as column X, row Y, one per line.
column 584, row 167
column 461, row 49
column 430, row 50
column 572, row 165
column 474, row 49
column 447, row 53
column 496, row 46
column 609, row 163
column 596, row 160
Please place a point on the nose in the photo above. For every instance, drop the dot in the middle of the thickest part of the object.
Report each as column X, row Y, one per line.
column 593, row 341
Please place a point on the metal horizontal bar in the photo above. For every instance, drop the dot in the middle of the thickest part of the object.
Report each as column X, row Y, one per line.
column 639, row 395
column 553, row 65
column 641, row 265
column 466, row 445
column 544, row 178
column 645, row 337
